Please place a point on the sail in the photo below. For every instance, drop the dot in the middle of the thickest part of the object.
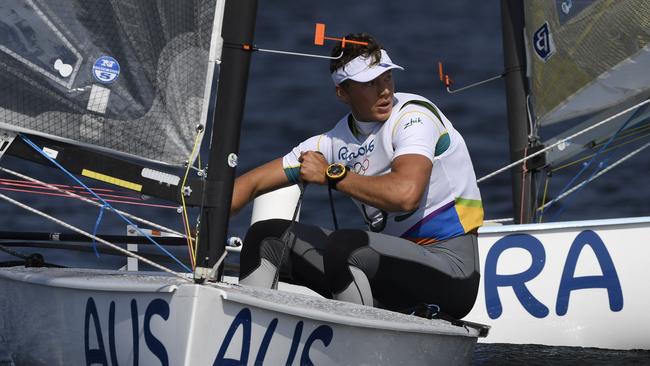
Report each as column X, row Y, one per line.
column 126, row 76
column 585, row 56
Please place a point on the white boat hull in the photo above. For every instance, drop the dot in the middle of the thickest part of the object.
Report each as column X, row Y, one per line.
column 566, row 284
column 72, row 317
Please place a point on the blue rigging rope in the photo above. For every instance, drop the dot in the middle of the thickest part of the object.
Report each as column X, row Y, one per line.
column 105, row 204
column 602, row 164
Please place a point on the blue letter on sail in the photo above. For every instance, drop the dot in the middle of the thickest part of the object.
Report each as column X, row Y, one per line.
column 608, row 280
column 517, row 281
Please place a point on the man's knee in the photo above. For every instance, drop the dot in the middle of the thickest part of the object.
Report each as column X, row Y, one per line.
column 339, row 255
column 258, row 243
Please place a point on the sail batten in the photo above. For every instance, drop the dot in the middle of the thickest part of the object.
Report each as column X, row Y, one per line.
column 124, row 76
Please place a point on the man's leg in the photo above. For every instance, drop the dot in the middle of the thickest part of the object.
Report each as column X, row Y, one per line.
column 300, row 258
column 401, row 274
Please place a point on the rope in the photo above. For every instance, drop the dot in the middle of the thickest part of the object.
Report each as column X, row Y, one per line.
column 606, row 150
column 99, row 219
column 496, row 221
column 84, row 199
column 524, row 170
column 588, row 164
column 593, row 177
column 286, row 236
column 13, row 252
column 38, row 149
column 74, row 228
column 329, row 191
column 520, row 161
column 32, row 188
column 186, row 222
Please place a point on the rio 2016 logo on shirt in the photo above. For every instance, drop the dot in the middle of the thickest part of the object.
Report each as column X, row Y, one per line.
column 543, row 42
column 106, row 70
column 345, row 154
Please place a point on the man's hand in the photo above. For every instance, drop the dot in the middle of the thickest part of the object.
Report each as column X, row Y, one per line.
column 312, row 167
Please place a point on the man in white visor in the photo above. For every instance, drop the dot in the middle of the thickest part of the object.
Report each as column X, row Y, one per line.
column 409, row 172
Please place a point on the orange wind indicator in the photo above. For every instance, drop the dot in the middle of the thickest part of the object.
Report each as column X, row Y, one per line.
column 320, row 37
column 446, row 79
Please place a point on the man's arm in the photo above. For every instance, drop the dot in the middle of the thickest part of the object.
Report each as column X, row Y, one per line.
column 263, row 179
column 399, row 190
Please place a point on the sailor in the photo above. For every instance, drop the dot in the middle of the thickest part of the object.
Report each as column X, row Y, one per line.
column 408, row 170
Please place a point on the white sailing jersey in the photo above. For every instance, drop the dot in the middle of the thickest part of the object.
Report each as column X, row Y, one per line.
column 450, row 206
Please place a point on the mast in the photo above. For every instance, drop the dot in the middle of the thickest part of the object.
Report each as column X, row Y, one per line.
column 238, row 30
column 512, row 24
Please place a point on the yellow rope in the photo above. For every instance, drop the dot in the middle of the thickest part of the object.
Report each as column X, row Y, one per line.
column 186, row 223
column 606, row 150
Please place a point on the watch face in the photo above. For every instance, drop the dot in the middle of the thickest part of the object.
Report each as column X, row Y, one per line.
column 336, row 169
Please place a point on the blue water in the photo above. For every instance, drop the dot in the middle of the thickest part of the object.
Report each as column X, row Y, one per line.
column 290, row 99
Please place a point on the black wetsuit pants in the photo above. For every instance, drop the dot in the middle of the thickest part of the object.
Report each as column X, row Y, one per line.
column 364, row 267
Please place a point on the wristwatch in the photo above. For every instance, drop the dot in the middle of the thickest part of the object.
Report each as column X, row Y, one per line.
column 335, row 173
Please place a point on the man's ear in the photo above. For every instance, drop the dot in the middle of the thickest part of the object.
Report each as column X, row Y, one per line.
column 342, row 94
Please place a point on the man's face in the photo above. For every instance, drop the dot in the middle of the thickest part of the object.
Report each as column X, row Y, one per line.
column 369, row 101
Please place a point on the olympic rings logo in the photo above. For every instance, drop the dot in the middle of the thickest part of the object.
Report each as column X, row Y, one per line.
column 361, row 167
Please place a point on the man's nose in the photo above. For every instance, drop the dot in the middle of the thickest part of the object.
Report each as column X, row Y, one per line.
column 383, row 88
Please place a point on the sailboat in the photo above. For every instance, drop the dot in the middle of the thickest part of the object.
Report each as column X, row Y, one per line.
column 122, row 92
column 581, row 68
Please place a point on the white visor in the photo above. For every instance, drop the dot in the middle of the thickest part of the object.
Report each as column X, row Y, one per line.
column 361, row 70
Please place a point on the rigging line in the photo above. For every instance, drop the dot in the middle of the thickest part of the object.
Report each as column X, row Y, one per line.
column 76, row 229
column 588, row 164
column 13, row 252
column 66, row 196
column 627, row 133
column 163, row 249
column 36, row 186
column 518, row 162
column 329, row 191
column 99, row 220
column 188, row 242
column 632, row 131
column 593, row 177
column 567, row 165
column 186, row 223
column 496, row 221
column 524, row 170
column 59, row 185
column 87, row 200
column 286, row 236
